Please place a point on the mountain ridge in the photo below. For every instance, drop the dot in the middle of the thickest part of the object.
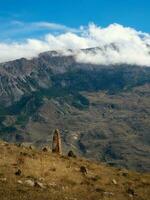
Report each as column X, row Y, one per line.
column 106, row 104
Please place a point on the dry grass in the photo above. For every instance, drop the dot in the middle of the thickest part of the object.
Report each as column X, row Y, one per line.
column 62, row 178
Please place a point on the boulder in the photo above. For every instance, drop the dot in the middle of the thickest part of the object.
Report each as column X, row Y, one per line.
column 71, row 154
column 3, row 179
column 29, row 183
column 83, row 170
column 18, row 172
column 45, row 149
column 39, row 184
column 114, row 182
column 20, row 182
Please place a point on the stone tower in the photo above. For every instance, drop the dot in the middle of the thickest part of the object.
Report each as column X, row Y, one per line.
column 56, row 144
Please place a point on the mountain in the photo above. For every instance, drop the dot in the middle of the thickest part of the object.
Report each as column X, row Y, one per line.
column 28, row 173
column 102, row 111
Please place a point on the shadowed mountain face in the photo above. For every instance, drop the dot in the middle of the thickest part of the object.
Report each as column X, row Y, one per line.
column 103, row 111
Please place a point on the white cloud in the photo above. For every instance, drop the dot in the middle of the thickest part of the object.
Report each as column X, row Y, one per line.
column 116, row 44
column 52, row 26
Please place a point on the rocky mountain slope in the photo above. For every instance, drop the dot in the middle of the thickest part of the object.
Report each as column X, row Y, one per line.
column 103, row 112
column 35, row 174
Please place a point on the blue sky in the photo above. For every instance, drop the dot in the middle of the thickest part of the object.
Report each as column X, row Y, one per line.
column 71, row 13
column 29, row 27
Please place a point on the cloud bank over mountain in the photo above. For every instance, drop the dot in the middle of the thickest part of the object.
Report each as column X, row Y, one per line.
column 114, row 44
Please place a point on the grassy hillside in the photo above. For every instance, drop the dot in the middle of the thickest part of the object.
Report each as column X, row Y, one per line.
column 27, row 173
